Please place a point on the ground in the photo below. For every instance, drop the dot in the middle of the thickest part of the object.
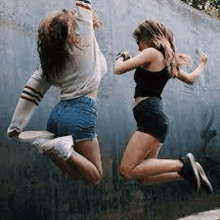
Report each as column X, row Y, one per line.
column 209, row 215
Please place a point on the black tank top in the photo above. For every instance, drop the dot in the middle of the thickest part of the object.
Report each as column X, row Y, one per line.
column 149, row 83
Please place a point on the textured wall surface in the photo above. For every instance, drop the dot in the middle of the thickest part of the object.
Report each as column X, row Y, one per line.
column 31, row 187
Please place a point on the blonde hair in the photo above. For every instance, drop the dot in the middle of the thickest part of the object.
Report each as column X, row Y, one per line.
column 161, row 38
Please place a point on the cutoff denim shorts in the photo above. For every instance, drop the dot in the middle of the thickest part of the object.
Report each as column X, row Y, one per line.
column 151, row 119
column 76, row 117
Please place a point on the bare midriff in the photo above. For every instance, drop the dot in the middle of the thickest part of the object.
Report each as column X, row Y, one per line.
column 139, row 99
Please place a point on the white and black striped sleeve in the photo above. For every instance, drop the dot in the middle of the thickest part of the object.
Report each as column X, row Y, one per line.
column 35, row 88
column 32, row 94
column 86, row 4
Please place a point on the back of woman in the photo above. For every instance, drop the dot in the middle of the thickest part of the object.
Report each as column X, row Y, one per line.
column 78, row 69
column 71, row 59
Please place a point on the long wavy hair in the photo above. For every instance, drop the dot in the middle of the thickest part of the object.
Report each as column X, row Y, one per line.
column 158, row 36
column 55, row 33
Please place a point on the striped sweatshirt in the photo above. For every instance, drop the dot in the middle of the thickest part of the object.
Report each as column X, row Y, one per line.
column 80, row 76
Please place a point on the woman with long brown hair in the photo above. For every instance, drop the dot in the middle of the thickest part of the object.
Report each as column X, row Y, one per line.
column 70, row 59
column 156, row 63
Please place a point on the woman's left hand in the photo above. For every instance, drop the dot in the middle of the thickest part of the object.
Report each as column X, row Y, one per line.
column 203, row 59
column 12, row 134
column 126, row 55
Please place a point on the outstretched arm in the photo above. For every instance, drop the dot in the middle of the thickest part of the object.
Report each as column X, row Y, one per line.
column 125, row 64
column 31, row 95
column 190, row 78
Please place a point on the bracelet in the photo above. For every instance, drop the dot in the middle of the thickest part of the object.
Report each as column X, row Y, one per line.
column 119, row 55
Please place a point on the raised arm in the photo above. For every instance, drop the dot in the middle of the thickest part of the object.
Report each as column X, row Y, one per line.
column 190, row 78
column 86, row 4
column 84, row 19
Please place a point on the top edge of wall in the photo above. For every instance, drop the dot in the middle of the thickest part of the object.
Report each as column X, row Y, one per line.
column 196, row 12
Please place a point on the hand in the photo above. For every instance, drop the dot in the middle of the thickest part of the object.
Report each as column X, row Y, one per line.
column 203, row 59
column 126, row 55
column 13, row 134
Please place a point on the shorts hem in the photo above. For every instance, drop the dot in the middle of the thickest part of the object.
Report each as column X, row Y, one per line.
column 160, row 139
column 85, row 139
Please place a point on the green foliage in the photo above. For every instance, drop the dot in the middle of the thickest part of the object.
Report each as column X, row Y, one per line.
column 210, row 7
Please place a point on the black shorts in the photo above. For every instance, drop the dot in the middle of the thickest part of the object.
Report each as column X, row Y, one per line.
column 151, row 119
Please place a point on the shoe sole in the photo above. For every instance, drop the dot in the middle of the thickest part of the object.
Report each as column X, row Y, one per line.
column 204, row 177
column 195, row 170
column 50, row 144
column 28, row 136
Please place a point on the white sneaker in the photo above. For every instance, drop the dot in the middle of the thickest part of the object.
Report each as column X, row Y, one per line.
column 190, row 171
column 38, row 144
column 62, row 146
column 30, row 136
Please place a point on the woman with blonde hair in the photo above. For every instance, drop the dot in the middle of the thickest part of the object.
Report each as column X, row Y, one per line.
column 156, row 63
column 71, row 60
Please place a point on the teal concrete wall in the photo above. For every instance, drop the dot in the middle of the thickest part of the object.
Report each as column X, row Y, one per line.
column 33, row 188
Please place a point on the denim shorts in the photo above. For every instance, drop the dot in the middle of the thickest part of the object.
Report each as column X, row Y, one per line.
column 76, row 117
column 151, row 119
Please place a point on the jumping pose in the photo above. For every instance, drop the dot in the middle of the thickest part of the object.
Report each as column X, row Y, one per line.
column 70, row 59
column 156, row 63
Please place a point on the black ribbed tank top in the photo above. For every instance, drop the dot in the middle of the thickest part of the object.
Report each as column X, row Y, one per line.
column 150, row 84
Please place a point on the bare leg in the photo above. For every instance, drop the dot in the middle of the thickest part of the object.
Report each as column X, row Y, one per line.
column 70, row 169
column 84, row 163
column 87, row 162
column 139, row 161
column 60, row 163
column 164, row 177
column 153, row 166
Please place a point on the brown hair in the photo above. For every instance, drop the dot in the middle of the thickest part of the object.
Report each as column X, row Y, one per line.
column 55, row 33
column 161, row 38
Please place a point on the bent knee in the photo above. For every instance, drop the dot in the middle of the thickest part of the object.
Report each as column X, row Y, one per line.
column 100, row 173
column 98, row 179
column 95, row 181
column 125, row 172
column 144, row 181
